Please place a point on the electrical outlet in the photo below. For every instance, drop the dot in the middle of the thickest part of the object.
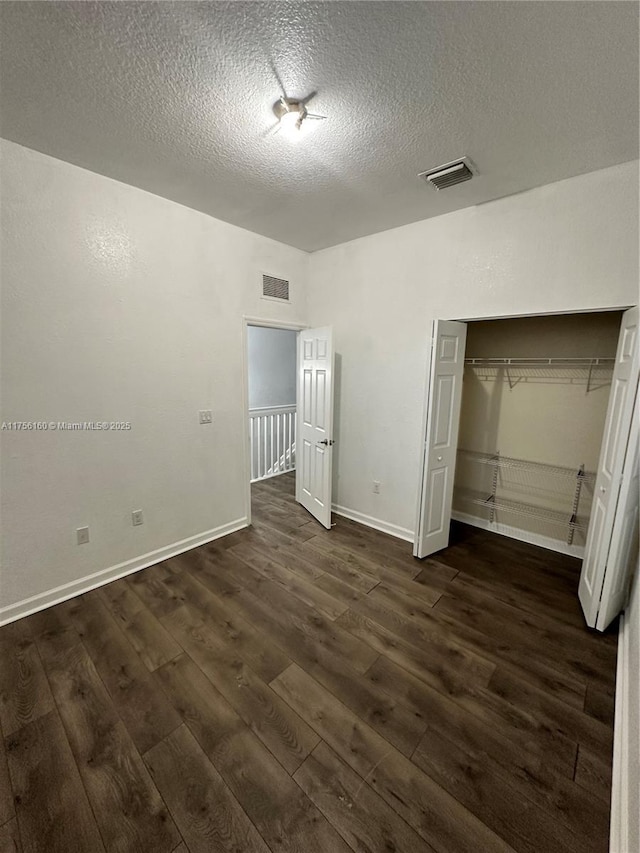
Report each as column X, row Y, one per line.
column 206, row 416
column 136, row 517
column 82, row 535
column 376, row 487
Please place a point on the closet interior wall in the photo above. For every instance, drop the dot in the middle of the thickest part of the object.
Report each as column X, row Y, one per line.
column 534, row 402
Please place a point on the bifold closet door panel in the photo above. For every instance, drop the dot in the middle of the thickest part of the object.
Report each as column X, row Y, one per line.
column 618, row 426
column 442, row 422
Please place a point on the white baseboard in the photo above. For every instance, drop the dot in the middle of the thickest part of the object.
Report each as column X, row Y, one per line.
column 376, row 523
column 521, row 535
column 77, row 587
column 502, row 529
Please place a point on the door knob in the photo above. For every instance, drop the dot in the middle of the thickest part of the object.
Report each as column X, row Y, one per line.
column 327, row 441
column 439, row 458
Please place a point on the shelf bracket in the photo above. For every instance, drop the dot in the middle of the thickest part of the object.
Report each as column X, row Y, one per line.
column 576, row 503
column 511, row 384
column 589, row 379
column 494, row 486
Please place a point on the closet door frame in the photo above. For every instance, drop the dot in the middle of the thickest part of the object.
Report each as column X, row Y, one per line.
column 421, row 491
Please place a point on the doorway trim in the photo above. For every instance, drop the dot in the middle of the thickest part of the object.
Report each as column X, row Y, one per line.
column 425, row 405
column 267, row 324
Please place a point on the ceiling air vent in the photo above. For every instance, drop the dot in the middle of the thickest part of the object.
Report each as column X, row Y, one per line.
column 448, row 175
column 275, row 288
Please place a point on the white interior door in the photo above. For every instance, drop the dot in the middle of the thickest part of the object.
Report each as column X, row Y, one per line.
column 602, row 553
column 444, row 398
column 314, row 439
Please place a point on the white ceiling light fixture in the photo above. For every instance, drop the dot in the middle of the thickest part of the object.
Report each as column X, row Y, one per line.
column 291, row 114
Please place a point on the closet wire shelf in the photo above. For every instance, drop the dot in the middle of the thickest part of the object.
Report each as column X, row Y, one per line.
column 519, row 508
column 592, row 372
column 542, row 362
column 494, row 502
column 526, row 465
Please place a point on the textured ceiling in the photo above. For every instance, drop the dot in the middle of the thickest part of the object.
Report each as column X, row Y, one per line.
column 176, row 97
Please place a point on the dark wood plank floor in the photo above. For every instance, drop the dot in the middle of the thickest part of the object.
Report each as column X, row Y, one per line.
column 288, row 688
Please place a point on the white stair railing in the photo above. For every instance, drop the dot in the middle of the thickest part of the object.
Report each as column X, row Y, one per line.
column 273, row 441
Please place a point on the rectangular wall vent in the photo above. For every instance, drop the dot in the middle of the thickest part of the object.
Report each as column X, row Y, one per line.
column 275, row 288
column 448, row 175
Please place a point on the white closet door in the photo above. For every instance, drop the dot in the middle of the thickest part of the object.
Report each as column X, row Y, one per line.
column 314, row 442
column 623, row 554
column 441, row 438
column 601, row 549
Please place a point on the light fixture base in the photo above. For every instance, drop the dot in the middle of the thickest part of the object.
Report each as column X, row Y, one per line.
column 289, row 105
column 291, row 114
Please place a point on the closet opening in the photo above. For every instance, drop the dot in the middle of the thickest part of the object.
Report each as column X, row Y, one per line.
column 534, row 401
column 529, row 433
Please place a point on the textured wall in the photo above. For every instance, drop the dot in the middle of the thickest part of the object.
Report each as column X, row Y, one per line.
column 120, row 306
column 272, row 366
column 568, row 246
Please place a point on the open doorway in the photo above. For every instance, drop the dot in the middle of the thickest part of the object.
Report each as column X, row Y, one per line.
column 271, row 383
column 527, row 429
column 271, row 380
column 289, row 379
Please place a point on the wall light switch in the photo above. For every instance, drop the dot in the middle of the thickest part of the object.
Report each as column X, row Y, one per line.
column 137, row 518
column 206, row 416
column 82, row 535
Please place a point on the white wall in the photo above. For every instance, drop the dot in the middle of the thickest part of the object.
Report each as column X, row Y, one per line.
column 625, row 801
column 272, row 366
column 567, row 246
column 119, row 306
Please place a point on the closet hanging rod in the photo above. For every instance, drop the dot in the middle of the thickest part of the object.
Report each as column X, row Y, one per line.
column 542, row 362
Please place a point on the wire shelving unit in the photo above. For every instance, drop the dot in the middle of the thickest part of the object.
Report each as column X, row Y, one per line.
column 562, row 482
